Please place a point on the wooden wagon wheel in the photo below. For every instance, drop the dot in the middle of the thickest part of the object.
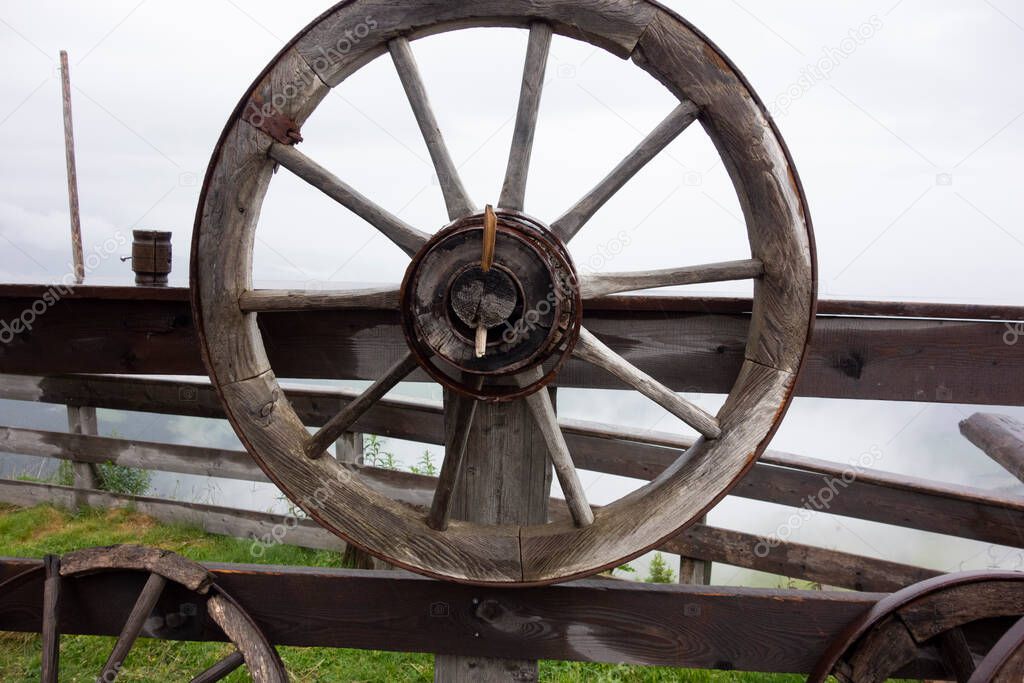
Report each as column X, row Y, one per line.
column 472, row 281
column 932, row 618
column 163, row 567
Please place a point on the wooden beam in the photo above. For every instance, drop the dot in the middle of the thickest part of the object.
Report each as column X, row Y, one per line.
column 779, row 477
column 593, row 620
column 956, row 356
column 1000, row 437
column 794, row 560
column 264, row 528
column 701, row 545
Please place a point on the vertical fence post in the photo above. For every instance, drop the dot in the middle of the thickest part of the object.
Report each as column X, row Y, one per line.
column 349, row 450
column 498, row 489
column 694, row 572
column 82, row 420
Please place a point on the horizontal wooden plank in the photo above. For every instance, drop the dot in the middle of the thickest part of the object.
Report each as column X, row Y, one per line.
column 864, row 350
column 593, row 620
column 706, row 543
column 794, row 560
column 779, row 477
column 262, row 527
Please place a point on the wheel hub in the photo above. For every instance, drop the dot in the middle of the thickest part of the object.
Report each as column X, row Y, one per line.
column 486, row 333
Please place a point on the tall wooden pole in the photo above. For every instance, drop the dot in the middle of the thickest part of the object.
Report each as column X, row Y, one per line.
column 506, row 479
column 81, row 420
column 69, row 152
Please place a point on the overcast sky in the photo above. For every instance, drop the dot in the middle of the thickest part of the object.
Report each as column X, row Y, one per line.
column 909, row 150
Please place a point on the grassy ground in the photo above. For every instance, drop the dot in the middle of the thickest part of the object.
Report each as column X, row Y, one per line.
column 42, row 530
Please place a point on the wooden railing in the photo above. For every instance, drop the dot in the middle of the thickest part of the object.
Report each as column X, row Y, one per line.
column 777, row 478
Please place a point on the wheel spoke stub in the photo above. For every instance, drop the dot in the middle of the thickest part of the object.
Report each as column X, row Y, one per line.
column 318, row 444
column 513, row 193
column 592, row 350
column 605, row 284
column 455, row 196
column 133, row 626
column 668, row 130
column 218, row 671
column 463, row 412
column 409, row 239
column 50, row 665
column 543, row 412
column 287, row 300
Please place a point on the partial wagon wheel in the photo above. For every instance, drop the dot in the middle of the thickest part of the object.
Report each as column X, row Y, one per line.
column 252, row 652
column 491, row 271
column 936, row 619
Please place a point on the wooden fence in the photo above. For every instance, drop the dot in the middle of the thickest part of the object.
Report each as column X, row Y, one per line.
column 778, row 478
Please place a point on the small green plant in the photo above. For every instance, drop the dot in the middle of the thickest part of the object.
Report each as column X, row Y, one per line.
column 109, row 477
column 625, row 569
column 374, row 454
column 65, row 474
column 426, row 465
column 660, row 571
column 127, row 481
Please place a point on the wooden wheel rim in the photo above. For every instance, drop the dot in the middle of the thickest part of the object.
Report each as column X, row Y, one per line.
column 846, row 645
column 778, row 227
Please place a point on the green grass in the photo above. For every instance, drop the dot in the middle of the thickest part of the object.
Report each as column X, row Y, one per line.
column 45, row 530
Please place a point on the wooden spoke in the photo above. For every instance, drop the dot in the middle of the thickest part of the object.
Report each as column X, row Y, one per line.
column 455, row 195
column 606, row 284
column 957, row 654
column 340, row 423
column 409, row 239
column 547, row 422
column 51, row 618
column 136, row 620
column 459, row 413
column 218, row 671
column 285, row 300
column 592, row 350
column 513, row 193
column 668, row 130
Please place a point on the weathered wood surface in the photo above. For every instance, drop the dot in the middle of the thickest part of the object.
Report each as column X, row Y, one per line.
column 594, row 351
column 221, row 669
column 506, row 479
column 1000, row 437
column 455, row 195
column 594, row 620
column 50, row 661
column 405, row 236
column 572, row 221
column 72, row 169
column 165, row 563
column 513, row 191
column 794, row 560
column 339, row 424
column 923, row 352
column 778, row 477
column 597, row 285
column 82, row 420
column 259, row 526
column 141, row 610
column 306, row 300
column 701, row 543
column 261, row 660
